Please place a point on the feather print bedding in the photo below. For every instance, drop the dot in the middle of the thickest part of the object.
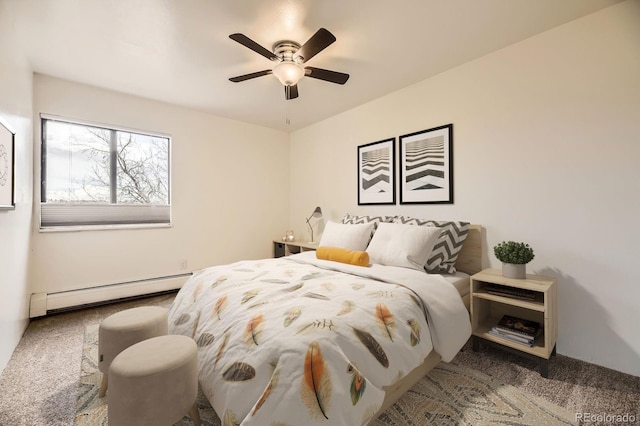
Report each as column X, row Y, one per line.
column 296, row 340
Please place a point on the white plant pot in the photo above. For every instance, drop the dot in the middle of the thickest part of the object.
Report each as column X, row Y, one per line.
column 513, row 270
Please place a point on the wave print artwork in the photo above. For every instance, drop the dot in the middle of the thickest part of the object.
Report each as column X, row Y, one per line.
column 376, row 173
column 426, row 166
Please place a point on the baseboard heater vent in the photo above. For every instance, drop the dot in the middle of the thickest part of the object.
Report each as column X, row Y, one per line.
column 49, row 303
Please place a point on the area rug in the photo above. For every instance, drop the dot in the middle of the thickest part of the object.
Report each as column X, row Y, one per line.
column 449, row 395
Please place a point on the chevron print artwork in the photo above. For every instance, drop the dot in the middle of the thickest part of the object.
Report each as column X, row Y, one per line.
column 376, row 173
column 375, row 170
column 425, row 164
column 448, row 245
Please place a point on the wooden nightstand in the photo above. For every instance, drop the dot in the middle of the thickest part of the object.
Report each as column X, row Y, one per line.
column 487, row 309
column 282, row 248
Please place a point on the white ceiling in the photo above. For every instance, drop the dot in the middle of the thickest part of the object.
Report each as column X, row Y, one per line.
column 178, row 51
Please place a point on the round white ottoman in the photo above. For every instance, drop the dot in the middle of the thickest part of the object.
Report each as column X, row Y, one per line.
column 154, row 382
column 125, row 328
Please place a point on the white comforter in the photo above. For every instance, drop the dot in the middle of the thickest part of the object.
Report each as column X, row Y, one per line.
column 298, row 340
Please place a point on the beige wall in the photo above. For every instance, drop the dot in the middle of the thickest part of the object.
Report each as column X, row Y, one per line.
column 15, row 225
column 230, row 189
column 546, row 151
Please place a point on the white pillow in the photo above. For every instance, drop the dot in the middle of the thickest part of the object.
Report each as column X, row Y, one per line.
column 407, row 246
column 350, row 237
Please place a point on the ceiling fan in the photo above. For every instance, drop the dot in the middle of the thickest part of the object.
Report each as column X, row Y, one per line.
column 290, row 56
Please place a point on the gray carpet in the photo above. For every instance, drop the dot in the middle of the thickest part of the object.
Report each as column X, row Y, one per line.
column 39, row 386
column 449, row 394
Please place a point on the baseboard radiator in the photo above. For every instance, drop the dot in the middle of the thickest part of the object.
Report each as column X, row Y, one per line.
column 42, row 304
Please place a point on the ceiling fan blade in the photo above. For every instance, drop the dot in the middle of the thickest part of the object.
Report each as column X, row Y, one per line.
column 291, row 92
column 240, row 78
column 327, row 75
column 317, row 43
column 247, row 42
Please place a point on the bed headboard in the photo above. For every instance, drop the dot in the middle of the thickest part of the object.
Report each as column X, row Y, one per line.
column 470, row 257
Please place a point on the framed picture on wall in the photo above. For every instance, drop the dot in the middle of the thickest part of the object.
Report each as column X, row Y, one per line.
column 7, row 141
column 376, row 172
column 426, row 166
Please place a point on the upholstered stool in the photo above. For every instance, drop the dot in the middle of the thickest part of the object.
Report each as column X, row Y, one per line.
column 154, row 382
column 125, row 328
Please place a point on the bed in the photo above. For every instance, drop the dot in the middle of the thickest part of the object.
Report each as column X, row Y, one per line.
column 302, row 340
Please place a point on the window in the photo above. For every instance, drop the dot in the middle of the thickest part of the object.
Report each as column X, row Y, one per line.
column 98, row 175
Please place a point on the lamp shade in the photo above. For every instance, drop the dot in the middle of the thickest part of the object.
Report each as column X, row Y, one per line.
column 288, row 72
column 317, row 213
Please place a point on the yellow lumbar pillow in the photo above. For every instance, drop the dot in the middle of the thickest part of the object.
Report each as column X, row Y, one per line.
column 337, row 254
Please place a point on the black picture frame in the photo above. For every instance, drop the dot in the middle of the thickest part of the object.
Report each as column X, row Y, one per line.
column 7, row 162
column 426, row 166
column 376, row 172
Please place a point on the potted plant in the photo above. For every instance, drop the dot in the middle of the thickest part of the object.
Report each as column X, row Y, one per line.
column 514, row 257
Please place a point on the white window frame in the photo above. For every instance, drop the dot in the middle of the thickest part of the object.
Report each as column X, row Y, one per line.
column 89, row 216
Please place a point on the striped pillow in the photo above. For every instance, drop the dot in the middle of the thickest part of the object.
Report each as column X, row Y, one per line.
column 355, row 220
column 445, row 252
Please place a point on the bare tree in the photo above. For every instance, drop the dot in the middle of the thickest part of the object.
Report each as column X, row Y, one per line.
column 140, row 162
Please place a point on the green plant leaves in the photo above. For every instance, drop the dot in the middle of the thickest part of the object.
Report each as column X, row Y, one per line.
column 513, row 252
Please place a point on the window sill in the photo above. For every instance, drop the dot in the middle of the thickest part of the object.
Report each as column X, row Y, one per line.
column 80, row 228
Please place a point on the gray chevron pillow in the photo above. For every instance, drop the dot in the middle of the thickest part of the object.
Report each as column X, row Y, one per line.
column 355, row 220
column 445, row 252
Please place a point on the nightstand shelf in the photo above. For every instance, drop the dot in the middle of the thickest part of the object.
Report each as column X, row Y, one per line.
column 535, row 305
column 282, row 248
column 482, row 331
column 487, row 309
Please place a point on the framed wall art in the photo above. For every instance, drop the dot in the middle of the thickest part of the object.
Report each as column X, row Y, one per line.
column 426, row 166
column 7, row 159
column 376, row 172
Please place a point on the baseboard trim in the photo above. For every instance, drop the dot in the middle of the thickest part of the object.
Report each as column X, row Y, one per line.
column 48, row 303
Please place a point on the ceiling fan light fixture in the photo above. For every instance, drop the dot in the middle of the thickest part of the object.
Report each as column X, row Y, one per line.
column 290, row 58
column 288, row 72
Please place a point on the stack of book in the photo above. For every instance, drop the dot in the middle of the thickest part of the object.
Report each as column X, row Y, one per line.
column 517, row 330
column 518, row 293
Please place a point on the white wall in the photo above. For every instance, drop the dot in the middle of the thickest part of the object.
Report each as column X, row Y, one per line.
column 546, row 150
column 230, row 189
column 15, row 225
